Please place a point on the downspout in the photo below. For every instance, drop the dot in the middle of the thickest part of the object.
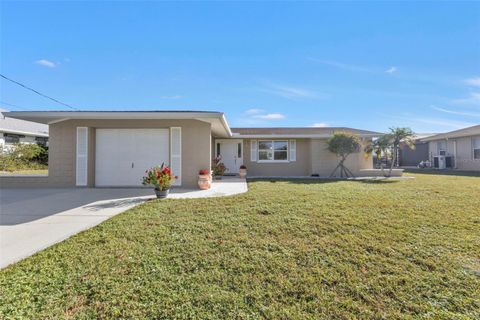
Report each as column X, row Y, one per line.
column 455, row 154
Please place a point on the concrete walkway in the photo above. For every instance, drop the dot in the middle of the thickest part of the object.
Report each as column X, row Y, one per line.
column 34, row 219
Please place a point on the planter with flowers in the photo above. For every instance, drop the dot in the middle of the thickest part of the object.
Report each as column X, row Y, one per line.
column 218, row 168
column 161, row 178
column 243, row 171
column 204, row 179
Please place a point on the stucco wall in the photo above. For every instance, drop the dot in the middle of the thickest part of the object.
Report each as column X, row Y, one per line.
column 312, row 158
column 196, row 142
column 300, row 167
column 464, row 153
column 324, row 162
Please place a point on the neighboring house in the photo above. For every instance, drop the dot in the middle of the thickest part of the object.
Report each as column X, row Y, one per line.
column 459, row 149
column 115, row 148
column 20, row 131
column 412, row 157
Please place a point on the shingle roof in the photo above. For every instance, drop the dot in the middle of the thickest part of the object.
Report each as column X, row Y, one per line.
column 11, row 125
column 465, row 132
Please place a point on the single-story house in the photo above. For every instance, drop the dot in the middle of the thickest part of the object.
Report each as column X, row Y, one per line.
column 14, row 131
column 114, row 148
column 459, row 149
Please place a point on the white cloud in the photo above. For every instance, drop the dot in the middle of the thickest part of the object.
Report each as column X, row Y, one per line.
column 46, row 63
column 474, row 82
column 341, row 65
column 444, row 122
column 175, row 97
column 270, row 116
column 473, row 98
column 319, row 125
column 460, row 113
column 289, row 92
column 391, row 70
column 253, row 111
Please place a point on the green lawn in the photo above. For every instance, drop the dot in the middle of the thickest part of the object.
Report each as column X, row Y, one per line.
column 286, row 249
column 26, row 172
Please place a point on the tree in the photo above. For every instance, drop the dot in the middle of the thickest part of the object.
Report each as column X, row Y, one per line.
column 388, row 145
column 343, row 144
column 381, row 147
column 397, row 136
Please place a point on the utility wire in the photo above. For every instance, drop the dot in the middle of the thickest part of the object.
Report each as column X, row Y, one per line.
column 12, row 105
column 39, row 93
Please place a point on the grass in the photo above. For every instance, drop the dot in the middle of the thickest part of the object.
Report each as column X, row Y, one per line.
column 26, row 172
column 444, row 172
column 286, row 249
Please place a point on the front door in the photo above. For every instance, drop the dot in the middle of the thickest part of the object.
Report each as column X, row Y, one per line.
column 231, row 152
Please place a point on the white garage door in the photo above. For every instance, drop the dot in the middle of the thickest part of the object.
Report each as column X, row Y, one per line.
column 123, row 155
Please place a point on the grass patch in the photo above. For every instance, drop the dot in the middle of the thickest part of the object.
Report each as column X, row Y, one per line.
column 26, row 172
column 286, row 249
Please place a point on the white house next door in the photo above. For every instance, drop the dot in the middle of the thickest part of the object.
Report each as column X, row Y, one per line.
column 231, row 151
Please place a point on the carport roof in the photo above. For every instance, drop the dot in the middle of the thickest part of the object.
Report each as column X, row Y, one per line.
column 219, row 124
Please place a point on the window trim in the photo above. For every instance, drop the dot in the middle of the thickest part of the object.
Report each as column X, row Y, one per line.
column 273, row 151
column 440, row 150
column 473, row 148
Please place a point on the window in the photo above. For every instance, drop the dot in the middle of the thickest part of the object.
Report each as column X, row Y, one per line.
column 12, row 138
column 239, row 150
column 218, row 149
column 42, row 141
column 272, row 150
column 442, row 148
column 476, row 148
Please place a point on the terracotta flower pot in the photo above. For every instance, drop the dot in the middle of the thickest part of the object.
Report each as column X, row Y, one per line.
column 204, row 181
column 243, row 173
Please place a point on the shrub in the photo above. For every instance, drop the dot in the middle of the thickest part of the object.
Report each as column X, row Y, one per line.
column 243, row 167
column 24, row 156
column 218, row 167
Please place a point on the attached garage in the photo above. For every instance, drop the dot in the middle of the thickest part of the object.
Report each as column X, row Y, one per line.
column 114, row 148
column 123, row 155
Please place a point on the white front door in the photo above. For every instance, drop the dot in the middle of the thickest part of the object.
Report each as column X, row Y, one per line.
column 123, row 155
column 231, row 151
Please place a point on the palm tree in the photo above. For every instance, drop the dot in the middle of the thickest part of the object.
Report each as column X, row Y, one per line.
column 398, row 136
column 381, row 147
column 389, row 145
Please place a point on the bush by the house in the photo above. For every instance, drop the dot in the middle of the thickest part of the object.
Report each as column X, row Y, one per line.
column 24, row 156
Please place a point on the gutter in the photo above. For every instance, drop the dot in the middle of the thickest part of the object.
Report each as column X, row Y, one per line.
column 25, row 133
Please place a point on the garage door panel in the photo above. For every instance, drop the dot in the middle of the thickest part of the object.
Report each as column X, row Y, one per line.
column 123, row 155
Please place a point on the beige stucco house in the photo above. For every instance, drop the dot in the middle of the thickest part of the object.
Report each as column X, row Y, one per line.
column 100, row 149
column 459, row 149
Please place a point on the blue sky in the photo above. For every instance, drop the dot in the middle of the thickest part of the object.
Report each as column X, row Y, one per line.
column 367, row 65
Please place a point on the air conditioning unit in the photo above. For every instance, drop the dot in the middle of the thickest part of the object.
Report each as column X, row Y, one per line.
column 439, row 162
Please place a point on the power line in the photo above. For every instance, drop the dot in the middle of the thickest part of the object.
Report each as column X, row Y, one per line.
column 12, row 105
column 39, row 93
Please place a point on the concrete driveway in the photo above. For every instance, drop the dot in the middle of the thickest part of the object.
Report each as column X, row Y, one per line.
column 33, row 219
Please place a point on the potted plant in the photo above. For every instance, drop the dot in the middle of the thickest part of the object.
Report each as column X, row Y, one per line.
column 243, row 171
column 204, row 179
column 161, row 178
column 218, row 168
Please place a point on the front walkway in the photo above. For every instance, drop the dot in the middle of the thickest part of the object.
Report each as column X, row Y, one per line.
column 34, row 219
